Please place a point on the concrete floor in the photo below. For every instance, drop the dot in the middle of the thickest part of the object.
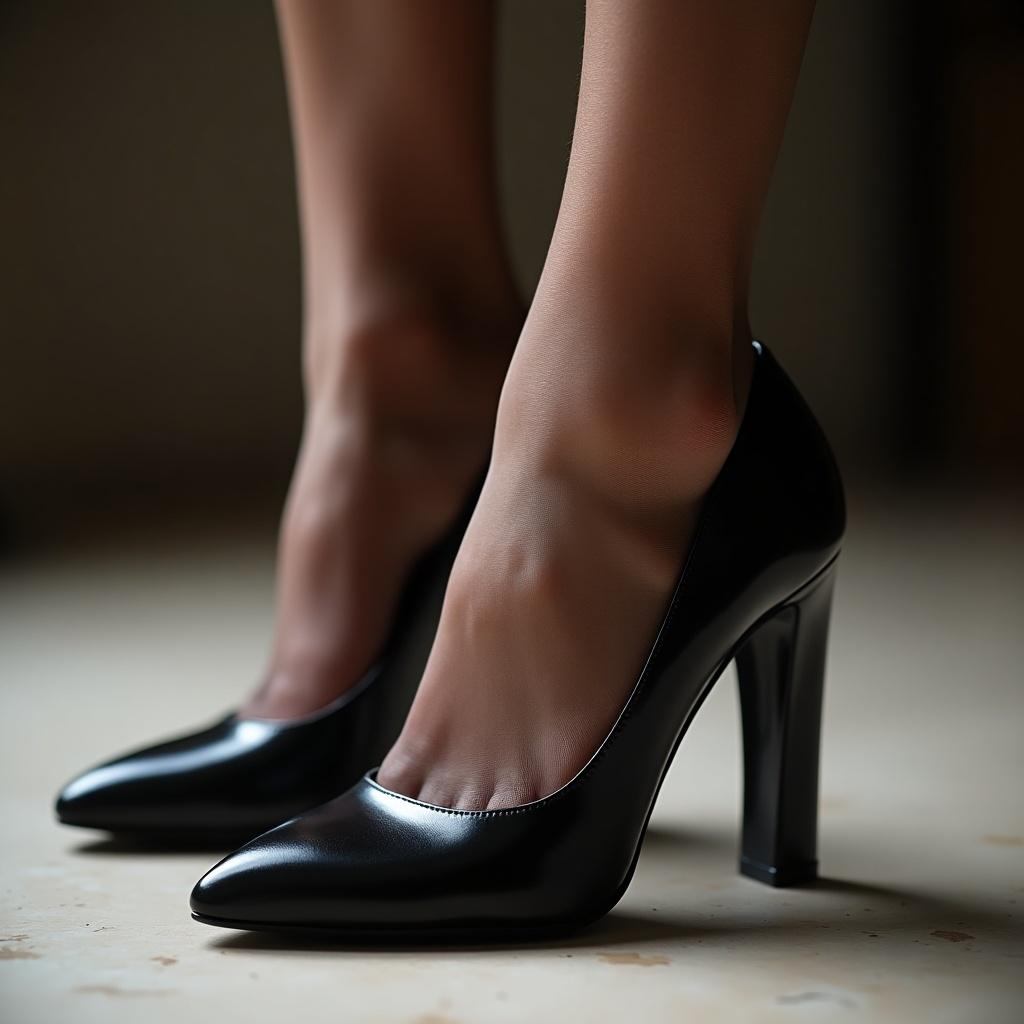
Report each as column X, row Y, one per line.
column 922, row 835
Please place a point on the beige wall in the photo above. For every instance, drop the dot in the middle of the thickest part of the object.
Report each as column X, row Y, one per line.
column 149, row 285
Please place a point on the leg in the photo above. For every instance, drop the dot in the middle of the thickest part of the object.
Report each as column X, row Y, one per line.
column 622, row 402
column 410, row 317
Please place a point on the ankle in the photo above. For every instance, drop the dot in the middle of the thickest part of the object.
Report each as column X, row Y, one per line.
column 368, row 295
column 400, row 409
column 650, row 421
column 409, row 365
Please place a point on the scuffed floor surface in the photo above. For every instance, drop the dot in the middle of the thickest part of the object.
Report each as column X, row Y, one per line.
column 918, row 917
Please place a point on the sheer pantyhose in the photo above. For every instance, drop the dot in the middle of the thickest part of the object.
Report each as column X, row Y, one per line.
column 622, row 401
column 410, row 318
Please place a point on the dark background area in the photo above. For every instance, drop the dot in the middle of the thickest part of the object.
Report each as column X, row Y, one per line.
column 149, row 286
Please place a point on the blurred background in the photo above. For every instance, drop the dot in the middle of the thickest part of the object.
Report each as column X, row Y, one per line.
column 149, row 290
column 150, row 408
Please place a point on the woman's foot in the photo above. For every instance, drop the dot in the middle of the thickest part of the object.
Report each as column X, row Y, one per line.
column 399, row 419
column 594, row 489
column 621, row 405
column 411, row 312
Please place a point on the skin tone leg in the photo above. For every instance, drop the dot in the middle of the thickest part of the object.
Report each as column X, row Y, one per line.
column 623, row 399
column 410, row 319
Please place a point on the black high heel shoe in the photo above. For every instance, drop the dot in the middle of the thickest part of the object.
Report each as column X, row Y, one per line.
column 241, row 776
column 756, row 586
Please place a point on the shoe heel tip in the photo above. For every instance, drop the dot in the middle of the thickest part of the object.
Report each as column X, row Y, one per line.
column 780, row 877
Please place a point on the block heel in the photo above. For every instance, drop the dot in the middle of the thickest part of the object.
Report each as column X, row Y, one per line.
column 781, row 671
